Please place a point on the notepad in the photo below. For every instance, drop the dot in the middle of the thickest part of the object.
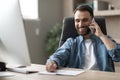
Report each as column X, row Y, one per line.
column 62, row 72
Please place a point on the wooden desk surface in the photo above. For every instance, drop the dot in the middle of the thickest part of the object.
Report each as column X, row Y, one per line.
column 87, row 75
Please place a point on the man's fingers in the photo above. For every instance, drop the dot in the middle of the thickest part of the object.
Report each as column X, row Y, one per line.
column 51, row 66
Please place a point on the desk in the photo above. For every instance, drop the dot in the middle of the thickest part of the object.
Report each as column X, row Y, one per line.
column 88, row 75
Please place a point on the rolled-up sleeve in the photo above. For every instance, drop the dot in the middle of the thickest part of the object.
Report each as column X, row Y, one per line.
column 115, row 53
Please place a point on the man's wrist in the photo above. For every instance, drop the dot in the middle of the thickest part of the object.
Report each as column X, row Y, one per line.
column 102, row 36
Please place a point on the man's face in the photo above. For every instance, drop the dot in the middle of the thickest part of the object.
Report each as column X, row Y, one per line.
column 82, row 22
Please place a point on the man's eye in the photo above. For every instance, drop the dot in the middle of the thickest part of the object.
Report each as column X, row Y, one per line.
column 85, row 20
column 77, row 20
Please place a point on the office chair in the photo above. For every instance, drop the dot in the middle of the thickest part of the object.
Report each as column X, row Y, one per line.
column 68, row 28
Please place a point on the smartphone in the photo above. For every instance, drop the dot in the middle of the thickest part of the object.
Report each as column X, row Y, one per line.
column 92, row 29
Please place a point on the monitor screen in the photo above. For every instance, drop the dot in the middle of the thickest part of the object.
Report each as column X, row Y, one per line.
column 13, row 43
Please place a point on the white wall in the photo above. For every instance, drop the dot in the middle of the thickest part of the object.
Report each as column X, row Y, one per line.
column 49, row 14
column 67, row 8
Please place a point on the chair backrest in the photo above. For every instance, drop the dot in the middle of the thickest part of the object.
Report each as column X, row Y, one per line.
column 68, row 28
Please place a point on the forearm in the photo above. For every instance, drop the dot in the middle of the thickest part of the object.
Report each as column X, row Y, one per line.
column 108, row 43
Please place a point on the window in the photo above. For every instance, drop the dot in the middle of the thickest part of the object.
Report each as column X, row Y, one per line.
column 29, row 9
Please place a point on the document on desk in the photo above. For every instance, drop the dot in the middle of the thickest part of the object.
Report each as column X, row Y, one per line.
column 62, row 72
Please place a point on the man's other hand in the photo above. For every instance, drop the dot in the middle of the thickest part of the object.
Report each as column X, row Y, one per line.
column 51, row 66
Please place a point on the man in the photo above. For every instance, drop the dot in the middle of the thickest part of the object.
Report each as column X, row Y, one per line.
column 90, row 50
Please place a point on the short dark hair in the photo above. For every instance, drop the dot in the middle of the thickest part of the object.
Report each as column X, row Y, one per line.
column 84, row 8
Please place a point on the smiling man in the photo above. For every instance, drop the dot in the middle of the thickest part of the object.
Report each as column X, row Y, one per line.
column 90, row 50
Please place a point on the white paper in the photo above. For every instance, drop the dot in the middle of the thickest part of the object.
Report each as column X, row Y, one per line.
column 62, row 72
column 6, row 74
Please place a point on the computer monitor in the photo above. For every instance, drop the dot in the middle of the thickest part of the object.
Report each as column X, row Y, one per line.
column 13, row 43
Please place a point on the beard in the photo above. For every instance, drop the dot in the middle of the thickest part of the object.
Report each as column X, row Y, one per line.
column 84, row 30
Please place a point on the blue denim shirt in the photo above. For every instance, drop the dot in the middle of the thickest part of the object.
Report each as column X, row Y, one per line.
column 72, row 54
